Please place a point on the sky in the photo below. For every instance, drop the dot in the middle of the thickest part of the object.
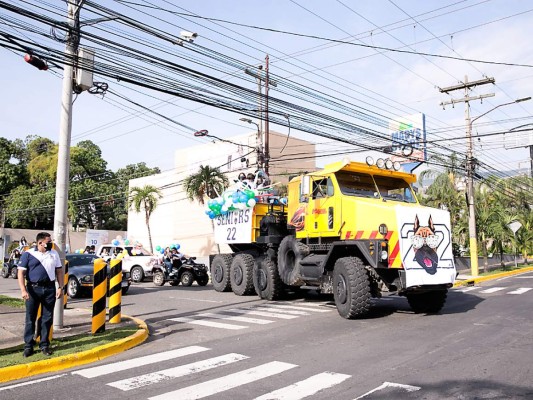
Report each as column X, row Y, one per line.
column 327, row 47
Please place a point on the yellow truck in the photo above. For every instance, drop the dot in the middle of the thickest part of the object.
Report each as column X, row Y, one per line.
column 351, row 229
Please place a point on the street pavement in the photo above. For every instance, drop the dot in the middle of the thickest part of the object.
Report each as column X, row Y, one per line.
column 205, row 344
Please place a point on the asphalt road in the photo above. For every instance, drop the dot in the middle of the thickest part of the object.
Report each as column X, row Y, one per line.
column 479, row 347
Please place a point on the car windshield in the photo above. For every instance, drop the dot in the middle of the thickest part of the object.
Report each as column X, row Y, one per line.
column 80, row 259
column 356, row 184
column 394, row 189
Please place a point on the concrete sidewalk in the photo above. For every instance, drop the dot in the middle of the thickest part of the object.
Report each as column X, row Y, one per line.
column 76, row 321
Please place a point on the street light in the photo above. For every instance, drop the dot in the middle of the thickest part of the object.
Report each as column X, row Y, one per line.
column 259, row 141
column 474, row 267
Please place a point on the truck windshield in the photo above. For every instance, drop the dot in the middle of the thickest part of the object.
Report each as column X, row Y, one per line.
column 394, row 189
column 356, row 184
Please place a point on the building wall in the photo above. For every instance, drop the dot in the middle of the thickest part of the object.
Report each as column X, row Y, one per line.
column 178, row 220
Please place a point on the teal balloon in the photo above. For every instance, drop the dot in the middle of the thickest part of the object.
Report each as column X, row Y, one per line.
column 158, row 248
column 250, row 194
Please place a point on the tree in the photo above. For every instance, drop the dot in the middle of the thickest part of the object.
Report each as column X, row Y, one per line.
column 207, row 182
column 146, row 199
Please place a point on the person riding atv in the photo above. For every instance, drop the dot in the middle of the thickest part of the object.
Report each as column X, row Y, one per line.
column 183, row 270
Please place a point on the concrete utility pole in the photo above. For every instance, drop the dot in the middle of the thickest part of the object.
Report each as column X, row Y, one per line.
column 470, row 161
column 63, row 156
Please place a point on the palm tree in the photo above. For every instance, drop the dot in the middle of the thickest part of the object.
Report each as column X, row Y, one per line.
column 145, row 198
column 207, row 182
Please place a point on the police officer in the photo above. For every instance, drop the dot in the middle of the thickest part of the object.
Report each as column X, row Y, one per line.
column 41, row 266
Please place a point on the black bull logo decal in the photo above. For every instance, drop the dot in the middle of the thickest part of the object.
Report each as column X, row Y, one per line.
column 424, row 243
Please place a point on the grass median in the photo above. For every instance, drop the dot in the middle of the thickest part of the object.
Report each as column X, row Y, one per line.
column 66, row 345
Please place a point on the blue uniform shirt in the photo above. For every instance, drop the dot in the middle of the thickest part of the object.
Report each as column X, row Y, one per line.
column 40, row 267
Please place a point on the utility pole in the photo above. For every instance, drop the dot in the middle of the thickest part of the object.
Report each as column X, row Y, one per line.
column 267, row 129
column 63, row 156
column 470, row 167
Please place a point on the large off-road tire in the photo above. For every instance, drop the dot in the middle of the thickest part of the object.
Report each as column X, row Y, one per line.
column 220, row 272
column 351, row 287
column 267, row 282
column 241, row 275
column 73, row 288
column 5, row 271
column 14, row 273
column 290, row 253
column 202, row 281
column 159, row 278
column 427, row 302
column 187, row 278
column 137, row 274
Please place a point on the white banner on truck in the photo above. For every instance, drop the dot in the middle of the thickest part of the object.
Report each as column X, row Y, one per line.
column 234, row 227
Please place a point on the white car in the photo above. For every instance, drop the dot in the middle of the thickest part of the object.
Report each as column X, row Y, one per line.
column 138, row 265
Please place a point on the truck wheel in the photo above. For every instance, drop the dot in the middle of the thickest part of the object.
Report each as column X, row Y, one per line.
column 351, row 287
column 159, row 278
column 290, row 253
column 267, row 282
column 220, row 267
column 241, row 274
column 427, row 302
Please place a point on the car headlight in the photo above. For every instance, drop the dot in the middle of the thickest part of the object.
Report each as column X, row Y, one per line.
column 87, row 279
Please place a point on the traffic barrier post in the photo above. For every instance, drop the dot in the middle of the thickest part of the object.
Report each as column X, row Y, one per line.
column 115, row 291
column 99, row 296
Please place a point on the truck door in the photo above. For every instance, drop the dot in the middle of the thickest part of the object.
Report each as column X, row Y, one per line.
column 322, row 212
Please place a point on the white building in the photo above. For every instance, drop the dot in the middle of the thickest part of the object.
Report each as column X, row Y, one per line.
column 178, row 220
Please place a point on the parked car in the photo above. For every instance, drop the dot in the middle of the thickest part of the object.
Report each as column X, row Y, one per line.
column 81, row 275
column 138, row 265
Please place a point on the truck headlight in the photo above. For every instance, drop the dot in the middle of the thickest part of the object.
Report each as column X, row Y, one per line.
column 384, row 255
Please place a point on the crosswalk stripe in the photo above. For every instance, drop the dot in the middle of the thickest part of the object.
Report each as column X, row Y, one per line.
column 307, row 308
column 204, row 322
column 235, row 318
column 305, row 388
column 492, row 290
column 280, row 310
column 260, row 313
column 520, row 290
column 468, row 289
column 176, row 372
column 136, row 362
column 227, row 382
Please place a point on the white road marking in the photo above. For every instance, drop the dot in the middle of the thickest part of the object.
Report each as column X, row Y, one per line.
column 211, row 324
column 176, row 372
column 235, row 318
column 524, row 277
column 305, row 388
column 32, row 382
column 307, row 308
column 280, row 310
column 520, row 290
column 408, row 388
column 137, row 362
column 492, row 290
column 227, row 382
column 468, row 289
column 260, row 313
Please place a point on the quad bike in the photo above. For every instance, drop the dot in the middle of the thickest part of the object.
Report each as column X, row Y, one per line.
column 9, row 270
column 184, row 272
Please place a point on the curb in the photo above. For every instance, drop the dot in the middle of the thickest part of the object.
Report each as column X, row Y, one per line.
column 473, row 281
column 72, row 360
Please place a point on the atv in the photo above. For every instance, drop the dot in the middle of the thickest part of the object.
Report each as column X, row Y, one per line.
column 184, row 272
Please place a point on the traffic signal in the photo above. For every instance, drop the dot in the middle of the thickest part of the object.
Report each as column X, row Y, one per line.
column 36, row 62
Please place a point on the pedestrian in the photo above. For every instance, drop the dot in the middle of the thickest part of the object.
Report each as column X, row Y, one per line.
column 38, row 271
column 23, row 241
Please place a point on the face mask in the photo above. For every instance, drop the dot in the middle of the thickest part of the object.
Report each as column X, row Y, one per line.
column 49, row 246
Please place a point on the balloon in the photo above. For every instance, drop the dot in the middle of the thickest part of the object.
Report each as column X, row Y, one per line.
column 126, row 242
column 162, row 251
column 243, row 197
column 173, row 247
column 177, row 246
column 250, row 194
column 115, row 242
column 211, row 215
column 77, row 251
column 158, row 248
column 220, row 200
column 134, row 252
column 251, row 203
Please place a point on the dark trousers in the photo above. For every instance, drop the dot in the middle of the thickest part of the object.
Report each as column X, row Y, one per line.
column 46, row 297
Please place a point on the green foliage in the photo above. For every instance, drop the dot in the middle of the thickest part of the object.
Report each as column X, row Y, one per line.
column 207, row 182
column 145, row 198
column 97, row 196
